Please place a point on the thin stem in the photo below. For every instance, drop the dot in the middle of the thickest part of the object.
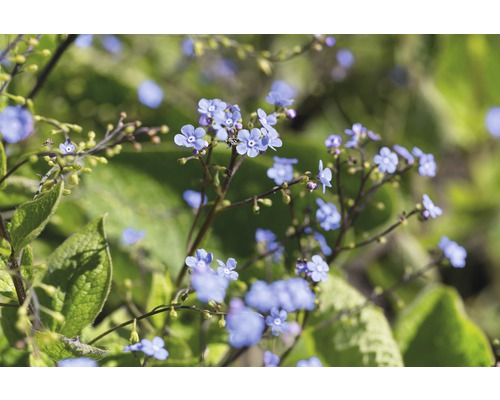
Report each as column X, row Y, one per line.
column 10, row 46
column 157, row 310
column 9, row 305
column 51, row 64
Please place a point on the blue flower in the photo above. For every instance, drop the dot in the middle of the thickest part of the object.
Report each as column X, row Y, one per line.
column 277, row 321
column 403, row 152
column 492, row 121
column 244, row 325
column 227, row 270
column 300, row 267
column 209, row 286
column 225, row 122
column 77, row 362
column 201, row 262
column 270, row 138
column 284, row 89
column 312, row 362
column 427, row 165
column 261, row 296
column 333, row 142
column 282, row 170
column 16, row 124
column 327, row 251
column 265, row 119
column 191, row 137
column 266, row 241
column 211, row 107
column 386, row 160
column 324, row 176
column 84, row 41
column 345, row 58
column 250, row 142
column 131, row 236
column 358, row 132
column 278, row 100
column 301, row 295
column 327, row 215
column 318, row 269
column 153, row 348
column 271, row 359
column 431, row 210
column 193, row 198
column 112, row 44
column 187, row 46
column 150, row 94
column 67, row 147
column 453, row 252
column 330, row 41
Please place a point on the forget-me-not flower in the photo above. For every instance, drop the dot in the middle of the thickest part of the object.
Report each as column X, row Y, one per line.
column 201, row 261
column 150, row 94
column 405, row 153
column 386, row 160
column 153, row 348
column 226, row 270
column 277, row 321
column 271, row 359
column 67, row 147
column 131, row 236
column 455, row 253
column 191, row 137
column 318, row 269
column 250, row 142
column 282, row 170
column 16, row 124
column 245, row 326
column 492, row 121
column 209, row 286
column 193, row 198
column 327, row 215
column 324, row 176
column 431, row 210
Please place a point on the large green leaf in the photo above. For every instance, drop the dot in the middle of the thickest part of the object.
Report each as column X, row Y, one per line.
column 59, row 347
column 80, row 270
column 434, row 331
column 30, row 218
column 362, row 338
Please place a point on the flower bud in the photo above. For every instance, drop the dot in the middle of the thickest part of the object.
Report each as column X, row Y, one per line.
column 222, row 322
column 173, row 313
column 32, row 68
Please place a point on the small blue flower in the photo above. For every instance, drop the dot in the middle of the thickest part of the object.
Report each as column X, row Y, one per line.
column 318, row 269
column 227, row 270
column 191, row 137
column 265, row 119
column 492, row 121
column 245, row 326
column 67, row 147
column 211, row 107
column 327, row 215
column 345, row 58
column 201, row 262
column 283, row 88
column 112, row 44
column 301, row 267
column 278, row 100
column 187, row 46
column 209, row 286
column 431, row 210
column 277, row 321
column 427, row 165
column 250, row 142
column 264, row 236
column 84, row 41
column 282, row 170
column 131, row 236
column 327, row 251
column 16, row 124
column 386, row 160
column 453, row 252
column 312, row 362
column 150, row 94
column 301, row 295
column 333, row 142
column 193, row 198
column 330, row 41
column 77, row 362
column 403, row 152
column 261, row 296
column 358, row 132
column 271, row 359
column 225, row 122
column 324, row 176
column 270, row 138
column 153, row 348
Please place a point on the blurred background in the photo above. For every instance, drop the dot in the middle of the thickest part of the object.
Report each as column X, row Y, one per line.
column 429, row 91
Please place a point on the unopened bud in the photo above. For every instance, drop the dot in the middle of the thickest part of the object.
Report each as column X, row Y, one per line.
column 382, row 240
column 207, row 314
column 164, row 129
column 134, row 337
column 33, row 158
column 45, row 52
column 266, row 202
column 256, row 209
column 128, row 284
column 32, row 68
column 19, row 59
column 182, row 161
column 155, row 140
column 66, row 192
column 173, row 313
column 222, row 322
column 380, row 206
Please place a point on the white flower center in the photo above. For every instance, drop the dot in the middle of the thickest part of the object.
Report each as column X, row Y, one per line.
column 251, row 143
column 277, row 321
column 227, row 271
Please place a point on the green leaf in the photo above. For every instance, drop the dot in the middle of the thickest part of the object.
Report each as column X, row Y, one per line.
column 160, row 292
column 434, row 331
column 362, row 338
column 59, row 347
column 80, row 270
column 30, row 218
column 3, row 165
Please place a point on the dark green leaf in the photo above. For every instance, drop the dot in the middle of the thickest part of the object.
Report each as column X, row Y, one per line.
column 59, row 347
column 30, row 218
column 80, row 270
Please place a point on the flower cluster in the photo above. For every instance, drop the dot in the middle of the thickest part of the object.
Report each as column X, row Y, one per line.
column 282, row 170
column 327, row 215
column 210, row 285
column 455, row 253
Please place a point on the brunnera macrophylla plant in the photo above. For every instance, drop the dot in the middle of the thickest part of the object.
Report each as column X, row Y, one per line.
column 288, row 304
